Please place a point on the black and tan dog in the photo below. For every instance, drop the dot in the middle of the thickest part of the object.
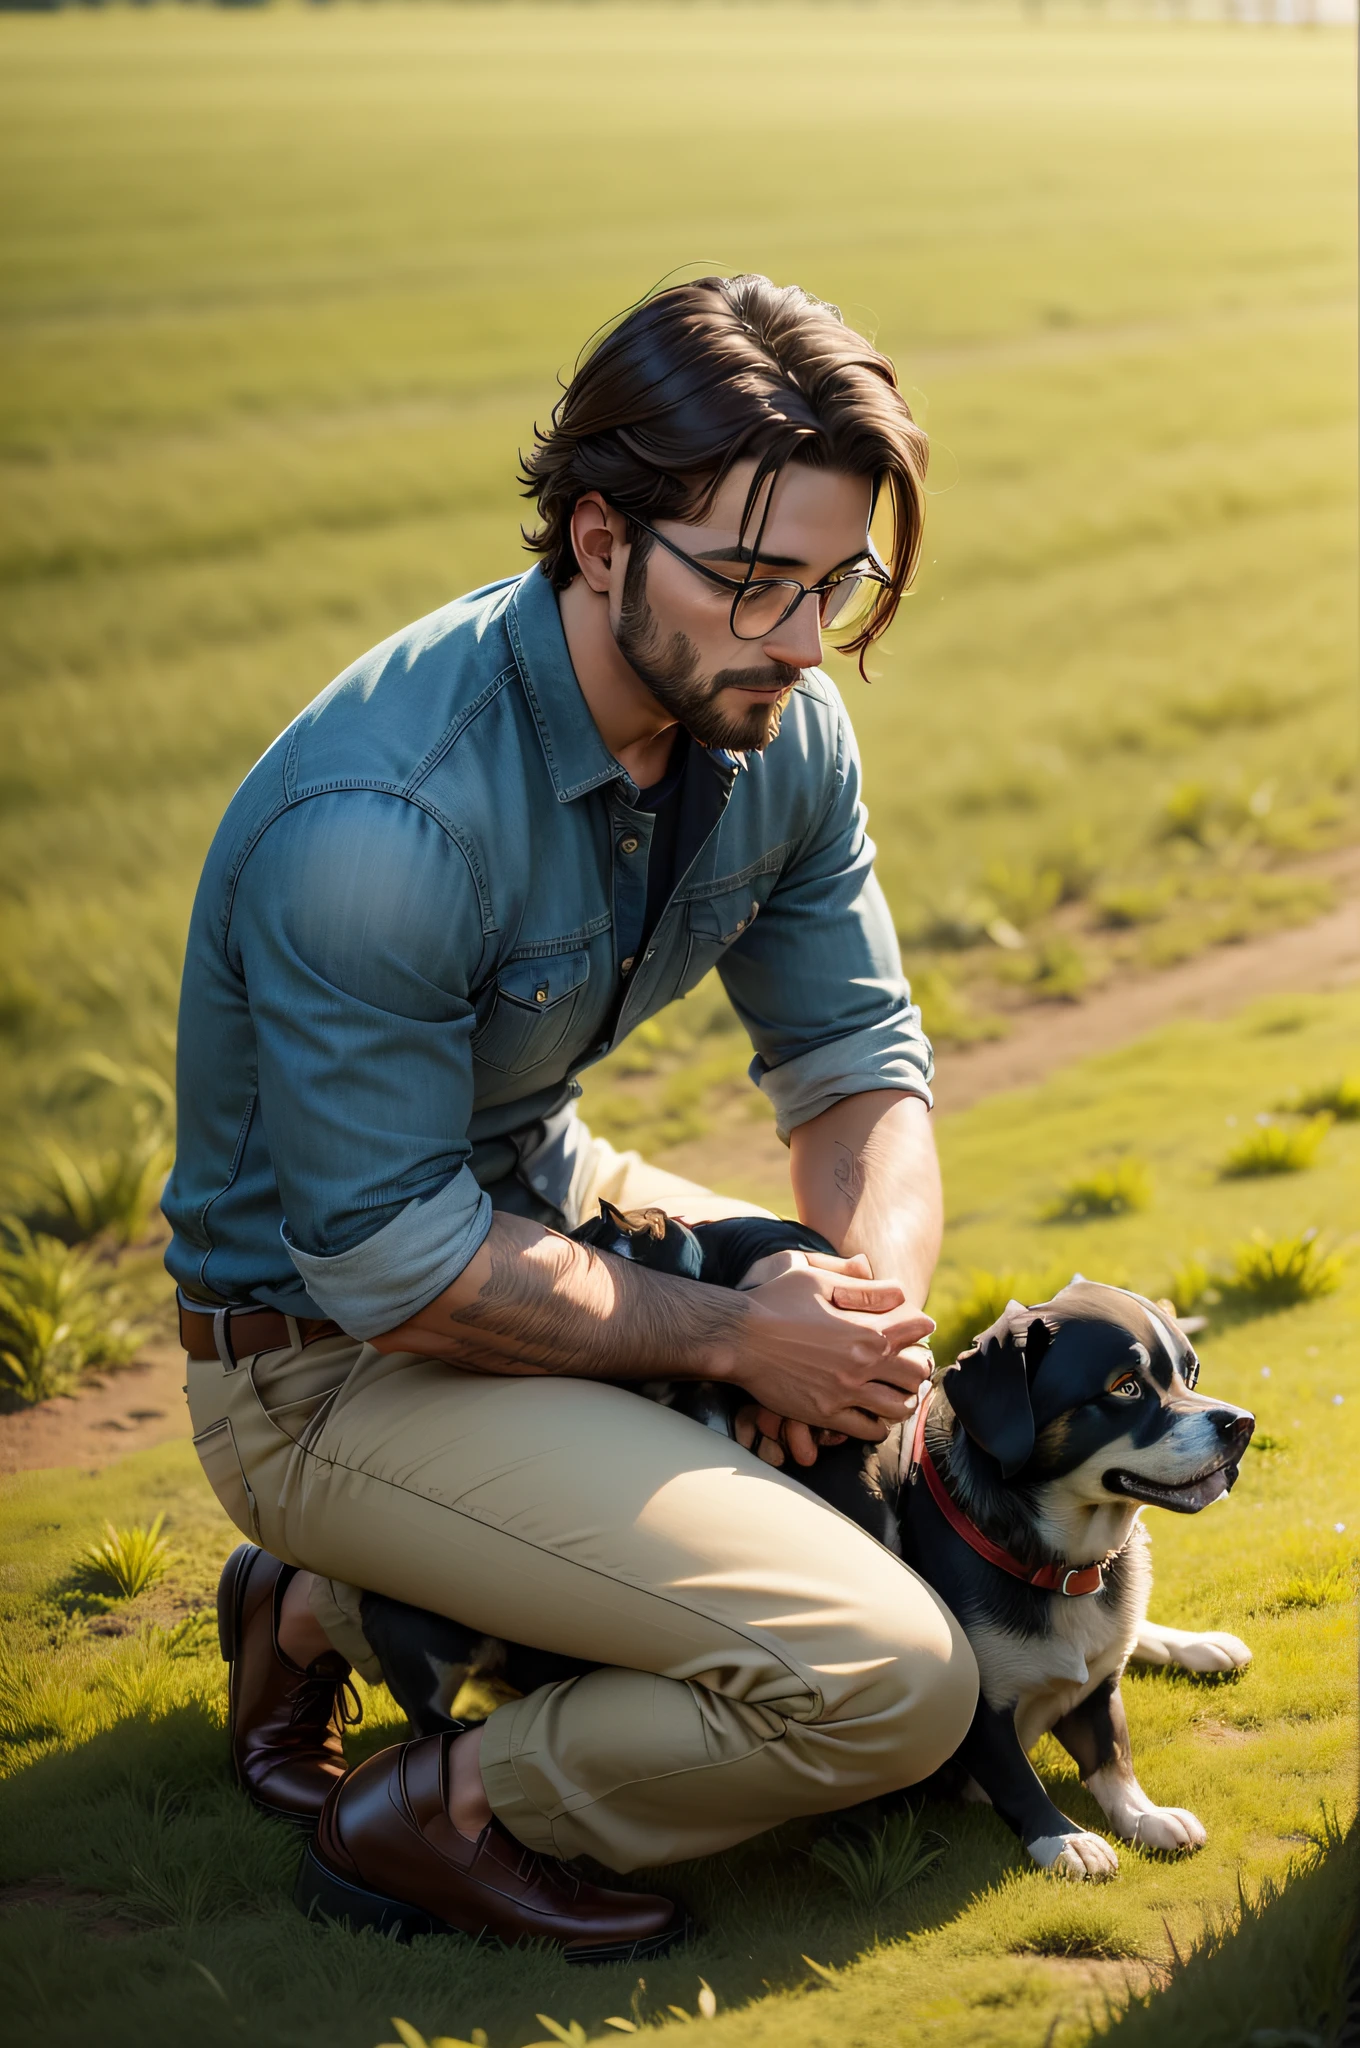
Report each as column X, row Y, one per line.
column 1017, row 1494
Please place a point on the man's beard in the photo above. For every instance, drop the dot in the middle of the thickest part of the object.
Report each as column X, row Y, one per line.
column 670, row 669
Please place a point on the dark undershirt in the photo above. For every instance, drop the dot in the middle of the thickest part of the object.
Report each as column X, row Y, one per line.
column 664, row 800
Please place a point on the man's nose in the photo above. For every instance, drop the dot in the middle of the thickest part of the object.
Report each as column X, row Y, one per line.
column 798, row 642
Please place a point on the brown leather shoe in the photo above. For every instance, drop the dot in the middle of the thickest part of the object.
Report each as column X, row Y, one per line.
column 386, row 1855
column 284, row 1724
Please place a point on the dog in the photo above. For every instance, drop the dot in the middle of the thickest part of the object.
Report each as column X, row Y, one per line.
column 1017, row 1492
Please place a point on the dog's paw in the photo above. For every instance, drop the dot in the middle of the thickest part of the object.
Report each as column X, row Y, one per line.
column 1078, row 1855
column 1212, row 1652
column 1170, row 1830
column 1208, row 1653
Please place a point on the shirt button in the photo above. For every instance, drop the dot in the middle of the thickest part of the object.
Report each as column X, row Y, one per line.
column 626, row 966
column 541, row 994
column 630, row 844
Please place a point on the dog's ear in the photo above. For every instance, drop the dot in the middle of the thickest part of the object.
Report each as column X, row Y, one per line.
column 989, row 1392
column 1038, row 1337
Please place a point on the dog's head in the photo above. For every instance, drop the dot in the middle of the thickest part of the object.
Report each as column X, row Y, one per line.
column 647, row 1236
column 1096, row 1387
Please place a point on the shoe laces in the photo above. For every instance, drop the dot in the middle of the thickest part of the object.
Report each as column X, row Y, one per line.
column 318, row 1691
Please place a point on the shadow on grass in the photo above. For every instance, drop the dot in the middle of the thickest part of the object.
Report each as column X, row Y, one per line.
column 1282, row 1967
column 167, row 1915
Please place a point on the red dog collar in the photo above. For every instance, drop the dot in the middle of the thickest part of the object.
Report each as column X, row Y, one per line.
column 1072, row 1579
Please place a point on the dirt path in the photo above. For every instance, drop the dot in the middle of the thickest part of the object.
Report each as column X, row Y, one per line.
column 128, row 1411
column 1307, row 959
column 117, row 1412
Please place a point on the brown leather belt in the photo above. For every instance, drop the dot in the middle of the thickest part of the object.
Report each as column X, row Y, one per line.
column 235, row 1333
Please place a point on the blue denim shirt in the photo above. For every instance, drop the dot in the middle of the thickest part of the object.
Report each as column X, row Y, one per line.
column 409, row 937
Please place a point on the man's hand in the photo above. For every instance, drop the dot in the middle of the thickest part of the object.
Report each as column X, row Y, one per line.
column 768, row 1432
column 865, row 1175
column 828, row 1352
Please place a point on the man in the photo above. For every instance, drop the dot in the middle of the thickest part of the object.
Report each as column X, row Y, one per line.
column 484, row 855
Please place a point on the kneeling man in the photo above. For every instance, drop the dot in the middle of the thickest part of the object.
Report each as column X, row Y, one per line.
column 490, row 850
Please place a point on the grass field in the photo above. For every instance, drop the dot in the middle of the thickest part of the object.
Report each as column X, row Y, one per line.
column 157, row 1902
column 284, row 291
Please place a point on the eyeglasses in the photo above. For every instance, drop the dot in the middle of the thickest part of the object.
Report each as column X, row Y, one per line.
column 761, row 604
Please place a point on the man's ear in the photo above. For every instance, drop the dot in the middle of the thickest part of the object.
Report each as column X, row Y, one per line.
column 989, row 1392
column 594, row 540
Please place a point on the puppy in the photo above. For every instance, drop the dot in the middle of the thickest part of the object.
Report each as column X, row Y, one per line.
column 1017, row 1492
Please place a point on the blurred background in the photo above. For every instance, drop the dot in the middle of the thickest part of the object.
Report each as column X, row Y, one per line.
column 284, row 292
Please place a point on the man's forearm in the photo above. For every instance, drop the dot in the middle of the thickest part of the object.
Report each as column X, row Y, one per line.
column 533, row 1302
column 865, row 1174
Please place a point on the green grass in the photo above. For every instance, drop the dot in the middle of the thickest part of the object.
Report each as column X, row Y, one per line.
column 158, row 1906
column 58, row 1314
column 127, row 1561
column 284, row 290
column 1339, row 1098
column 1276, row 1148
column 1108, row 1191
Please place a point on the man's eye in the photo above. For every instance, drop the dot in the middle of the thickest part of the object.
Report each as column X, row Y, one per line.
column 1128, row 1390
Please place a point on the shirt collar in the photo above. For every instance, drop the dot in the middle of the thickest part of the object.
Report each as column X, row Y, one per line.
column 578, row 759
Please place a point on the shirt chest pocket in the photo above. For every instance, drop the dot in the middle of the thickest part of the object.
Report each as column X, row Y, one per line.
column 530, row 1011
column 717, row 922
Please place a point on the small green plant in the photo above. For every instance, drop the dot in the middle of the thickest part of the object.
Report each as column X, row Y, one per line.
column 1276, row 1148
column 573, row 2033
column 1076, row 1930
column 705, row 2008
column 875, row 1866
column 54, row 1318
column 1059, row 972
column 1339, row 1099
column 986, row 1295
column 1023, row 894
column 1280, row 1272
column 1075, row 860
column 1311, row 1589
column 1191, row 1287
column 1110, row 1191
column 114, row 1193
column 949, row 1016
column 1120, row 908
column 1189, row 813
column 411, row 2037
column 127, row 1560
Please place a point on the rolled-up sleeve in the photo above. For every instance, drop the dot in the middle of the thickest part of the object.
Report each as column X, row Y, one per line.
column 817, row 977
column 356, row 925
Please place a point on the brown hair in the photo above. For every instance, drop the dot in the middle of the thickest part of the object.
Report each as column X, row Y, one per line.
column 725, row 370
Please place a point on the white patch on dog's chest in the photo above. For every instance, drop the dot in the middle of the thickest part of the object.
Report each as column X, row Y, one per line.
column 1042, row 1677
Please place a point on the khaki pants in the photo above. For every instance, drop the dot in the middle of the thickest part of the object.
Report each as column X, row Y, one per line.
column 765, row 1658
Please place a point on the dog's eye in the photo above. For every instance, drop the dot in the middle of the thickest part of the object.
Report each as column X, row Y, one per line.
column 1128, row 1389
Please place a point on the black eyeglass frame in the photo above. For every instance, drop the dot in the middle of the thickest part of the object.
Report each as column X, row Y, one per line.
column 875, row 571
